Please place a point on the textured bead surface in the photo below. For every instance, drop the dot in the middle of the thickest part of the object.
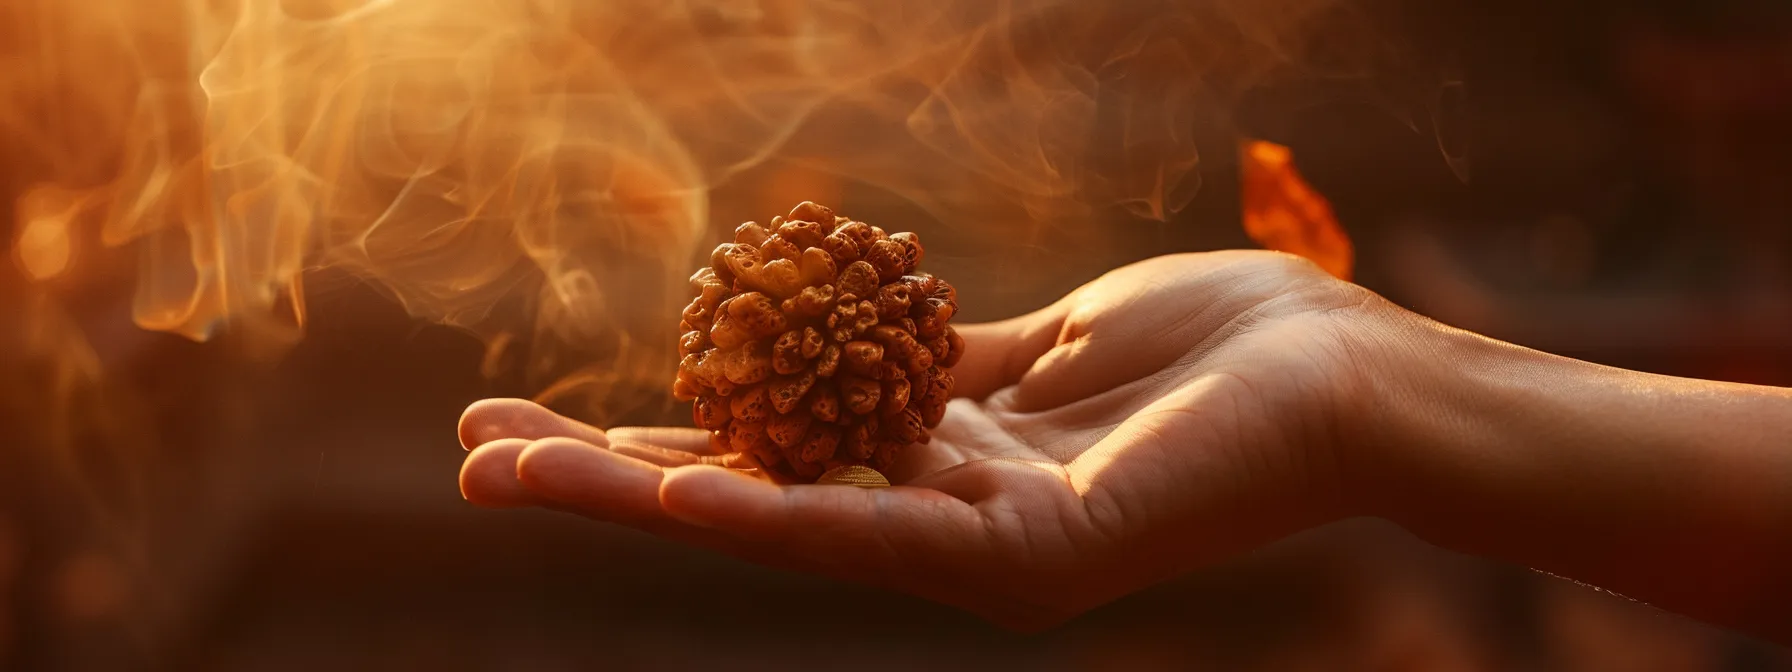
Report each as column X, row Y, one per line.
column 817, row 346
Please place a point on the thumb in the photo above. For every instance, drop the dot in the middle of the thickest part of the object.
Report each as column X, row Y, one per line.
column 997, row 354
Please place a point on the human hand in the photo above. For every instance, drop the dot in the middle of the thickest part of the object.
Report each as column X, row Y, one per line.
column 1167, row 415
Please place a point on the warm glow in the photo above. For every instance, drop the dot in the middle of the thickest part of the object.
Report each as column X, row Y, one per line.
column 43, row 248
column 540, row 171
column 1283, row 213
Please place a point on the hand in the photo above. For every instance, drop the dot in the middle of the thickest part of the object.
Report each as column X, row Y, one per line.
column 1169, row 414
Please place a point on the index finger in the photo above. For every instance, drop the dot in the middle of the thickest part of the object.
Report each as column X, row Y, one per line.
column 489, row 420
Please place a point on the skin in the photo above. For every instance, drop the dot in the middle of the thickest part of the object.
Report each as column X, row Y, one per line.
column 1186, row 409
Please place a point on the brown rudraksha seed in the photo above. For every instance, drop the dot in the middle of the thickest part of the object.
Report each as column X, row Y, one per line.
column 815, row 343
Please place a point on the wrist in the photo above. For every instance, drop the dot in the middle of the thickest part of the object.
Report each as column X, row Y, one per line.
column 1429, row 410
column 1666, row 489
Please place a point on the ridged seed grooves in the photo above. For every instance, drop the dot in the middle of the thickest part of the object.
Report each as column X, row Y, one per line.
column 816, row 343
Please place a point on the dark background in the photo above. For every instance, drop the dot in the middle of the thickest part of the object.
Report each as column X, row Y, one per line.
column 1627, row 202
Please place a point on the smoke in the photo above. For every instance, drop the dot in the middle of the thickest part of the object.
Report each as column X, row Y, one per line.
column 539, row 171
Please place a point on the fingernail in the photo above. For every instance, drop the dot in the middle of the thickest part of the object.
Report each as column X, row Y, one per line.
column 567, row 469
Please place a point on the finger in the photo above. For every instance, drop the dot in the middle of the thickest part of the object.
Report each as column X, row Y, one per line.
column 682, row 439
column 667, row 458
column 488, row 476
column 997, row 354
column 591, row 481
column 672, row 447
column 488, row 420
column 576, row 477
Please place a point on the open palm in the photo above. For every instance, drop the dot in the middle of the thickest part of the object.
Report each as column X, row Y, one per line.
column 1168, row 414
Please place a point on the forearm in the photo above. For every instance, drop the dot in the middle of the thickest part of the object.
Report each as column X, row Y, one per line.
column 1672, row 491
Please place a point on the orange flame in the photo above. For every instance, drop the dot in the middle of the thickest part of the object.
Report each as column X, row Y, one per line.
column 1283, row 213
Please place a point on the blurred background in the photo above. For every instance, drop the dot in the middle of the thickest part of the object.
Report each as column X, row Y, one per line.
column 262, row 254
